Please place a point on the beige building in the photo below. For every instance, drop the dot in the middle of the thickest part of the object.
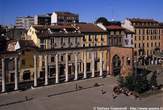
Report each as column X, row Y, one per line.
column 147, row 35
column 94, row 37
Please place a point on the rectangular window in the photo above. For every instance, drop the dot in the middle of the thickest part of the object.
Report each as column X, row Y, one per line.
column 52, row 59
column 135, row 38
column 139, row 37
column 102, row 39
column 139, row 31
column 23, row 62
column 84, row 39
column 131, row 42
column 61, row 58
column 69, row 57
column 143, row 37
column 89, row 37
column 96, row 38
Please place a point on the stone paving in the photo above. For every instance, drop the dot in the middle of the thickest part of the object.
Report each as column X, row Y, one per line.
column 65, row 97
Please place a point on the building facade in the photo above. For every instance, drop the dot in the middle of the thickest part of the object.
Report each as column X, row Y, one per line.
column 64, row 17
column 24, row 22
column 120, row 50
column 147, row 35
column 58, row 53
column 161, row 36
column 44, row 19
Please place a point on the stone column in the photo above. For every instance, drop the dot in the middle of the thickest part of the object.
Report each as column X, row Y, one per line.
column 156, row 61
column 46, row 69
column 56, row 68
column 93, row 64
column 16, row 74
column 3, row 75
column 76, row 67
column 35, row 71
column 101, row 67
column 66, row 68
column 85, row 65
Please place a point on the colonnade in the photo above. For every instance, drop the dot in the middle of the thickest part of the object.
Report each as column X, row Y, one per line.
column 35, row 68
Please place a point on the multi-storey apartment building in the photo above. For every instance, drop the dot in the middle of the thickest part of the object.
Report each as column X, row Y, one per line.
column 24, row 22
column 147, row 35
column 44, row 19
column 161, row 36
column 94, row 37
column 120, row 50
column 64, row 17
column 117, row 35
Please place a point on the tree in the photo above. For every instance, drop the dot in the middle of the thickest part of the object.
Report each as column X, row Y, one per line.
column 102, row 20
column 138, row 83
column 153, row 80
column 141, row 84
column 120, row 79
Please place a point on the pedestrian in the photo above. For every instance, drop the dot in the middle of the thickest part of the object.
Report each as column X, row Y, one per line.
column 103, row 92
column 76, row 87
column 26, row 98
column 114, row 95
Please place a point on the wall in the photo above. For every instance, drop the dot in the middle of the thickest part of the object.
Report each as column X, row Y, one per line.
column 124, row 54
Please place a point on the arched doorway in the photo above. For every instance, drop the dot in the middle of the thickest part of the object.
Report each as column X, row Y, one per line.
column 116, row 65
column 26, row 75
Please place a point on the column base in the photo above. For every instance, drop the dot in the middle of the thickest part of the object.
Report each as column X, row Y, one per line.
column 45, row 84
column 93, row 76
column 3, row 91
column 15, row 89
column 35, row 86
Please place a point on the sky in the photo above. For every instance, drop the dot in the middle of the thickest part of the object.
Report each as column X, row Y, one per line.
column 88, row 10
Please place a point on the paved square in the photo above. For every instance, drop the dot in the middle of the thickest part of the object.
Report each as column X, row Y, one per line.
column 65, row 97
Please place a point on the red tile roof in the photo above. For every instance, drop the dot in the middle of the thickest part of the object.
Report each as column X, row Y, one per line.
column 114, row 27
column 89, row 28
column 55, row 26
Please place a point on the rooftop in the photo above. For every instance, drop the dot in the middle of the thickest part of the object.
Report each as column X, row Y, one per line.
column 142, row 20
column 114, row 27
column 89, row 27
column 65, row 13
column 56, row 30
